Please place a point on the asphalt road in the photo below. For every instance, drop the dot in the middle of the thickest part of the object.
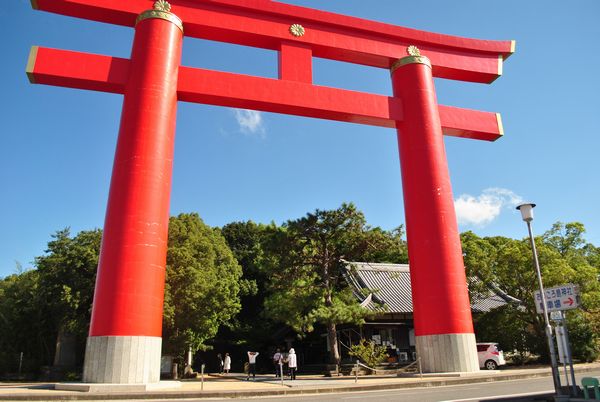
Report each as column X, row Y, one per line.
column 500, row 391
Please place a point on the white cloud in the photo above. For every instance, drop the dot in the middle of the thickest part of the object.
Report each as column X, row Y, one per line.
column 250, row 121
column 483, row 209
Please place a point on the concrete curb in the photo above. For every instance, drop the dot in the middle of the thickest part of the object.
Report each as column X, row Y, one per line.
column 52, row 395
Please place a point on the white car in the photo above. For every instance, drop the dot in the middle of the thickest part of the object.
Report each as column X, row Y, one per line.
column 490, row 356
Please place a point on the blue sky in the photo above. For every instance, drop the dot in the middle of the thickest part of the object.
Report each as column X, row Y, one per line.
column 58, row 143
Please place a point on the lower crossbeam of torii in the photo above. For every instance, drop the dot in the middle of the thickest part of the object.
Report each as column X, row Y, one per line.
column 124, row 343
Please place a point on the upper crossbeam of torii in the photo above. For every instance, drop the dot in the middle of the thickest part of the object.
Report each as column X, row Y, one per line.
column 266, row 24
column 124, row 343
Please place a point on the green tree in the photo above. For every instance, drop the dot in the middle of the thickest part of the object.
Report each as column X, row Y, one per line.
column 246, row 241
column 581, row 258
column 508, row 263
column 54, row 301
column 567, row 239
column 378, row 245
column 22, row 326
column 202, row 285
column 306, row 277
column 592, row 254
column 41, row 308
column 67, row 275
column 369, row 352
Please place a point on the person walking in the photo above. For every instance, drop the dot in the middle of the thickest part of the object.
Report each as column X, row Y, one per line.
column 220, row 358
column 292, row 363
column 252, row 365
column 277, row 359
column 227, row 363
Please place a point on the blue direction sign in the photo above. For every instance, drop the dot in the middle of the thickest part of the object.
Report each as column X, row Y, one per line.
column 564, row 297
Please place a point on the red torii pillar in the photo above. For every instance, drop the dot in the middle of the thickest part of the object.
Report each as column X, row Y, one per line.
column 124, row 342
column 441, row 308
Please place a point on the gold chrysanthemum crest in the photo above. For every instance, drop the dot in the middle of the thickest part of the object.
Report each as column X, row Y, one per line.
column 162, row 5
column 161, row 9
column 414, row 57
column 297, row 30
column 412, row 50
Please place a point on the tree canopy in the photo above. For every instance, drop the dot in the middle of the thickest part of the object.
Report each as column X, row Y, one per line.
column 565, row 257
column 67, row 275
column 21, row 319
column 202, row 285
column 246, row 240
column 306, row 274
column 229, row 278
column 38, row 306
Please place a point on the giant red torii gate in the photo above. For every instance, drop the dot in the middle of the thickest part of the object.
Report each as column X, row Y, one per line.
column 124, row 342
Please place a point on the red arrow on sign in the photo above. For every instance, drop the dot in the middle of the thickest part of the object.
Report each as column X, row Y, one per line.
column 570, row 301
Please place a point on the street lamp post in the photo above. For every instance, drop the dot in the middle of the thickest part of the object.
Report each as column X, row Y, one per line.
column 527, row 215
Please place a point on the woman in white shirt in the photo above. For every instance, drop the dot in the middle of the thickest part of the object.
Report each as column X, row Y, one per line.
column 227, row 363
column 292, row 363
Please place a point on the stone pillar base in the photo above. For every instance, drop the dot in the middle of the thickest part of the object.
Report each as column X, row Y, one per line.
column 108, row 388
column 447, row 353
column 122, row 359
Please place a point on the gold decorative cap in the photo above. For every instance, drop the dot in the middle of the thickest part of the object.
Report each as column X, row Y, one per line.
column 414, row 57
column 162, row 10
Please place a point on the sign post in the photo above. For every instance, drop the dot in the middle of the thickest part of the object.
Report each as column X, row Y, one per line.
column 527, row 216
column 559, row 329
column 559, row 299
column 568, row 350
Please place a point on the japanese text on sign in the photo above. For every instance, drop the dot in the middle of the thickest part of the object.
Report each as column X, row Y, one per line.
column 564, row 297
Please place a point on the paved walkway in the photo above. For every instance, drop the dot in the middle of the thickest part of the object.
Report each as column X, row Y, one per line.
column 236, row 385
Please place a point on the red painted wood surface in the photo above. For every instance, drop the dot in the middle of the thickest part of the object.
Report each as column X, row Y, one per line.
column 109, row 74
column 439, row 284
column 128, row 300
column 265, row 24
column 295, row 62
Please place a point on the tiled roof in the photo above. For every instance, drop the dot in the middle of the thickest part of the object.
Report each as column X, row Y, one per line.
column 377, row 284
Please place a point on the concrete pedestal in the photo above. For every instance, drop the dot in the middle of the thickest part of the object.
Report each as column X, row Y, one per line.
column 122, row 360
column 92, row 387
column 447, row 353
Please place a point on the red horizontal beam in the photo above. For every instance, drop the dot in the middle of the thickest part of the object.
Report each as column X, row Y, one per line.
column 265, row 24
column 287, row 97
column 109, row 74
column 77, row 70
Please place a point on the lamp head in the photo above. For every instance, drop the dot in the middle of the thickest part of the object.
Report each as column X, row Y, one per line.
column 526, row 211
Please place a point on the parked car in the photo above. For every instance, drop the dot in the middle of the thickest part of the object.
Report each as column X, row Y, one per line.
column 490, row 356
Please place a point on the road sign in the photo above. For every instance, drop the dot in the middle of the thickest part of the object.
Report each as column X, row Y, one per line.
column 564, row 297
